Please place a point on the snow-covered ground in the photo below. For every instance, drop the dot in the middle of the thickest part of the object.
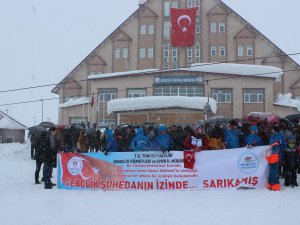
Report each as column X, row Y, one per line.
column 23, row 202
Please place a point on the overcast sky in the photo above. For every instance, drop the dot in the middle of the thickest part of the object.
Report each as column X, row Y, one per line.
column 43, row 40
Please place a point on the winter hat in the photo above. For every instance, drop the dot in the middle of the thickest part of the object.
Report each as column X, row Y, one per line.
column 254, row 129
column 197, row 126
column 162, row 128
column 291, row 139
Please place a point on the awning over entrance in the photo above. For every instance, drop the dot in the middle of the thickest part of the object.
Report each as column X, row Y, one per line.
column 160, row 102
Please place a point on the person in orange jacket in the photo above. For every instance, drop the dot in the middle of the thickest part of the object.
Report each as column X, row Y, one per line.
column 273, row 159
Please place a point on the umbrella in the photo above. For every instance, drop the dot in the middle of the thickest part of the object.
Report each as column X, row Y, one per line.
column 218, row 120
column 294, row 117
column 47, row 124
column 36, row 130
column 262, row 116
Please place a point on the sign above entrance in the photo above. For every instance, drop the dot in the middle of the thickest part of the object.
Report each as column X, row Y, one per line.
column 168, row 80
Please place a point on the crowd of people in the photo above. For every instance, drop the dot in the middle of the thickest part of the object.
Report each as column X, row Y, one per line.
column 197, row 137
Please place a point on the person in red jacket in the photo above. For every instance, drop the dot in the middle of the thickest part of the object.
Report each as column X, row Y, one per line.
column 273, row 159
column 198, row 141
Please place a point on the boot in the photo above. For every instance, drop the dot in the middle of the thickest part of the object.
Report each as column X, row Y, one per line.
column 48, row 185
column 37, row 182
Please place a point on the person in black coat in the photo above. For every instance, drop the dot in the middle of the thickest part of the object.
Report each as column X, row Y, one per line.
column 40, row 148
column 290, row 160
column 50, row 157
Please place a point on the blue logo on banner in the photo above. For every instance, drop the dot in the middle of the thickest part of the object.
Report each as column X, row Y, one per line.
column 248, row 162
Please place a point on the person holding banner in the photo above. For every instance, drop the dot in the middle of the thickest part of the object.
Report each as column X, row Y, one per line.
column 110, row 143
column 199, row 140
column 273, row 159
column 232, row 135
column 253, row 139
column 139, row 142
column 161, row 141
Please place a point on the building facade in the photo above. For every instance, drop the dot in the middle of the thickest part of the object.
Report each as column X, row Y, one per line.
column 11, row 131
column 142, row 42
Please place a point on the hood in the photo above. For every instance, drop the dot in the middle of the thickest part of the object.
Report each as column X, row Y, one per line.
column 140, row 131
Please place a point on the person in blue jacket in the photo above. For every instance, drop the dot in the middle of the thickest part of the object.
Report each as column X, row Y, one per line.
column 139, row 142
column 253, row 139
column 110, row 142
column 163, row 141
column 232, row 135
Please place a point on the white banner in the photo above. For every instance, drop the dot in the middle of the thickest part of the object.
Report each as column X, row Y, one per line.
column 215, row 169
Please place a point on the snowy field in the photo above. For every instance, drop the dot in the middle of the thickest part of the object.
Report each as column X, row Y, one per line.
column 23, row 202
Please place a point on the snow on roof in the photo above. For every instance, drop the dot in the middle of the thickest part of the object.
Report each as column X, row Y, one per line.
column 141, row 2
column 6, row 122
column 106, row 75
column 221, row 68
column 237, row 69
column 286, row 100
column 75, row 101
column 156, row 102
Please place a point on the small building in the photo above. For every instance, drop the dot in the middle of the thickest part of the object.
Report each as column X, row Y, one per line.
column 11, row 130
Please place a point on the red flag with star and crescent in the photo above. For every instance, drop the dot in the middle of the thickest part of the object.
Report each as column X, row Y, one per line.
column 189, row 159
column 83, row 168
column 183, row 27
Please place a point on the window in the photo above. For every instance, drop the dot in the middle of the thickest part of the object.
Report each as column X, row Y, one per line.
column 11, row 139
column 213, row 51
column 150, row 53
column 249, row 51
column 190, row 91
column 78, row 120
column 240, row 50
column 222, row 51
column 253, row 96
column 166, row 53
column 221, row 27
column 124, row 53
column 213, row 27
column 197, row 52
column 151, row 29
column 142, row 53
column 1, row 139
column 136, row 93
column 175, row 4
column 174, row 57
column 166, row 8
column 189, row 54
column 221, row 95
column 107, row 123
column 117, row 53
column 143, row 29
column 197, row 3
column 166, row 30
column 197, row 29
column 190, row 3
column 107, row 95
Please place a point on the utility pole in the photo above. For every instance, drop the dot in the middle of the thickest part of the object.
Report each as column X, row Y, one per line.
column 42, row 100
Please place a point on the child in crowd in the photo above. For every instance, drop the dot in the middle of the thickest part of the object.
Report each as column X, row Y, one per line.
column 290, row 161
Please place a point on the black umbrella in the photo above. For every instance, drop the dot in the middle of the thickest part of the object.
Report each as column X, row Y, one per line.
column 218, row 120
column 47, row 124
column 36, row 130
column 293, row 117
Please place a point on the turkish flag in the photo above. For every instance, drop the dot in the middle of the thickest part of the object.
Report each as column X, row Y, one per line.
column 183, row 27
column 92, row 101
column 82, row 167
column 189, row 159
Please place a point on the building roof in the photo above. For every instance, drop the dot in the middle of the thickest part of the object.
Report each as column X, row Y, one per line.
column 216, row 68
column 142, row 5
column 159, row 102
column 75, row 101
column 6, row 122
